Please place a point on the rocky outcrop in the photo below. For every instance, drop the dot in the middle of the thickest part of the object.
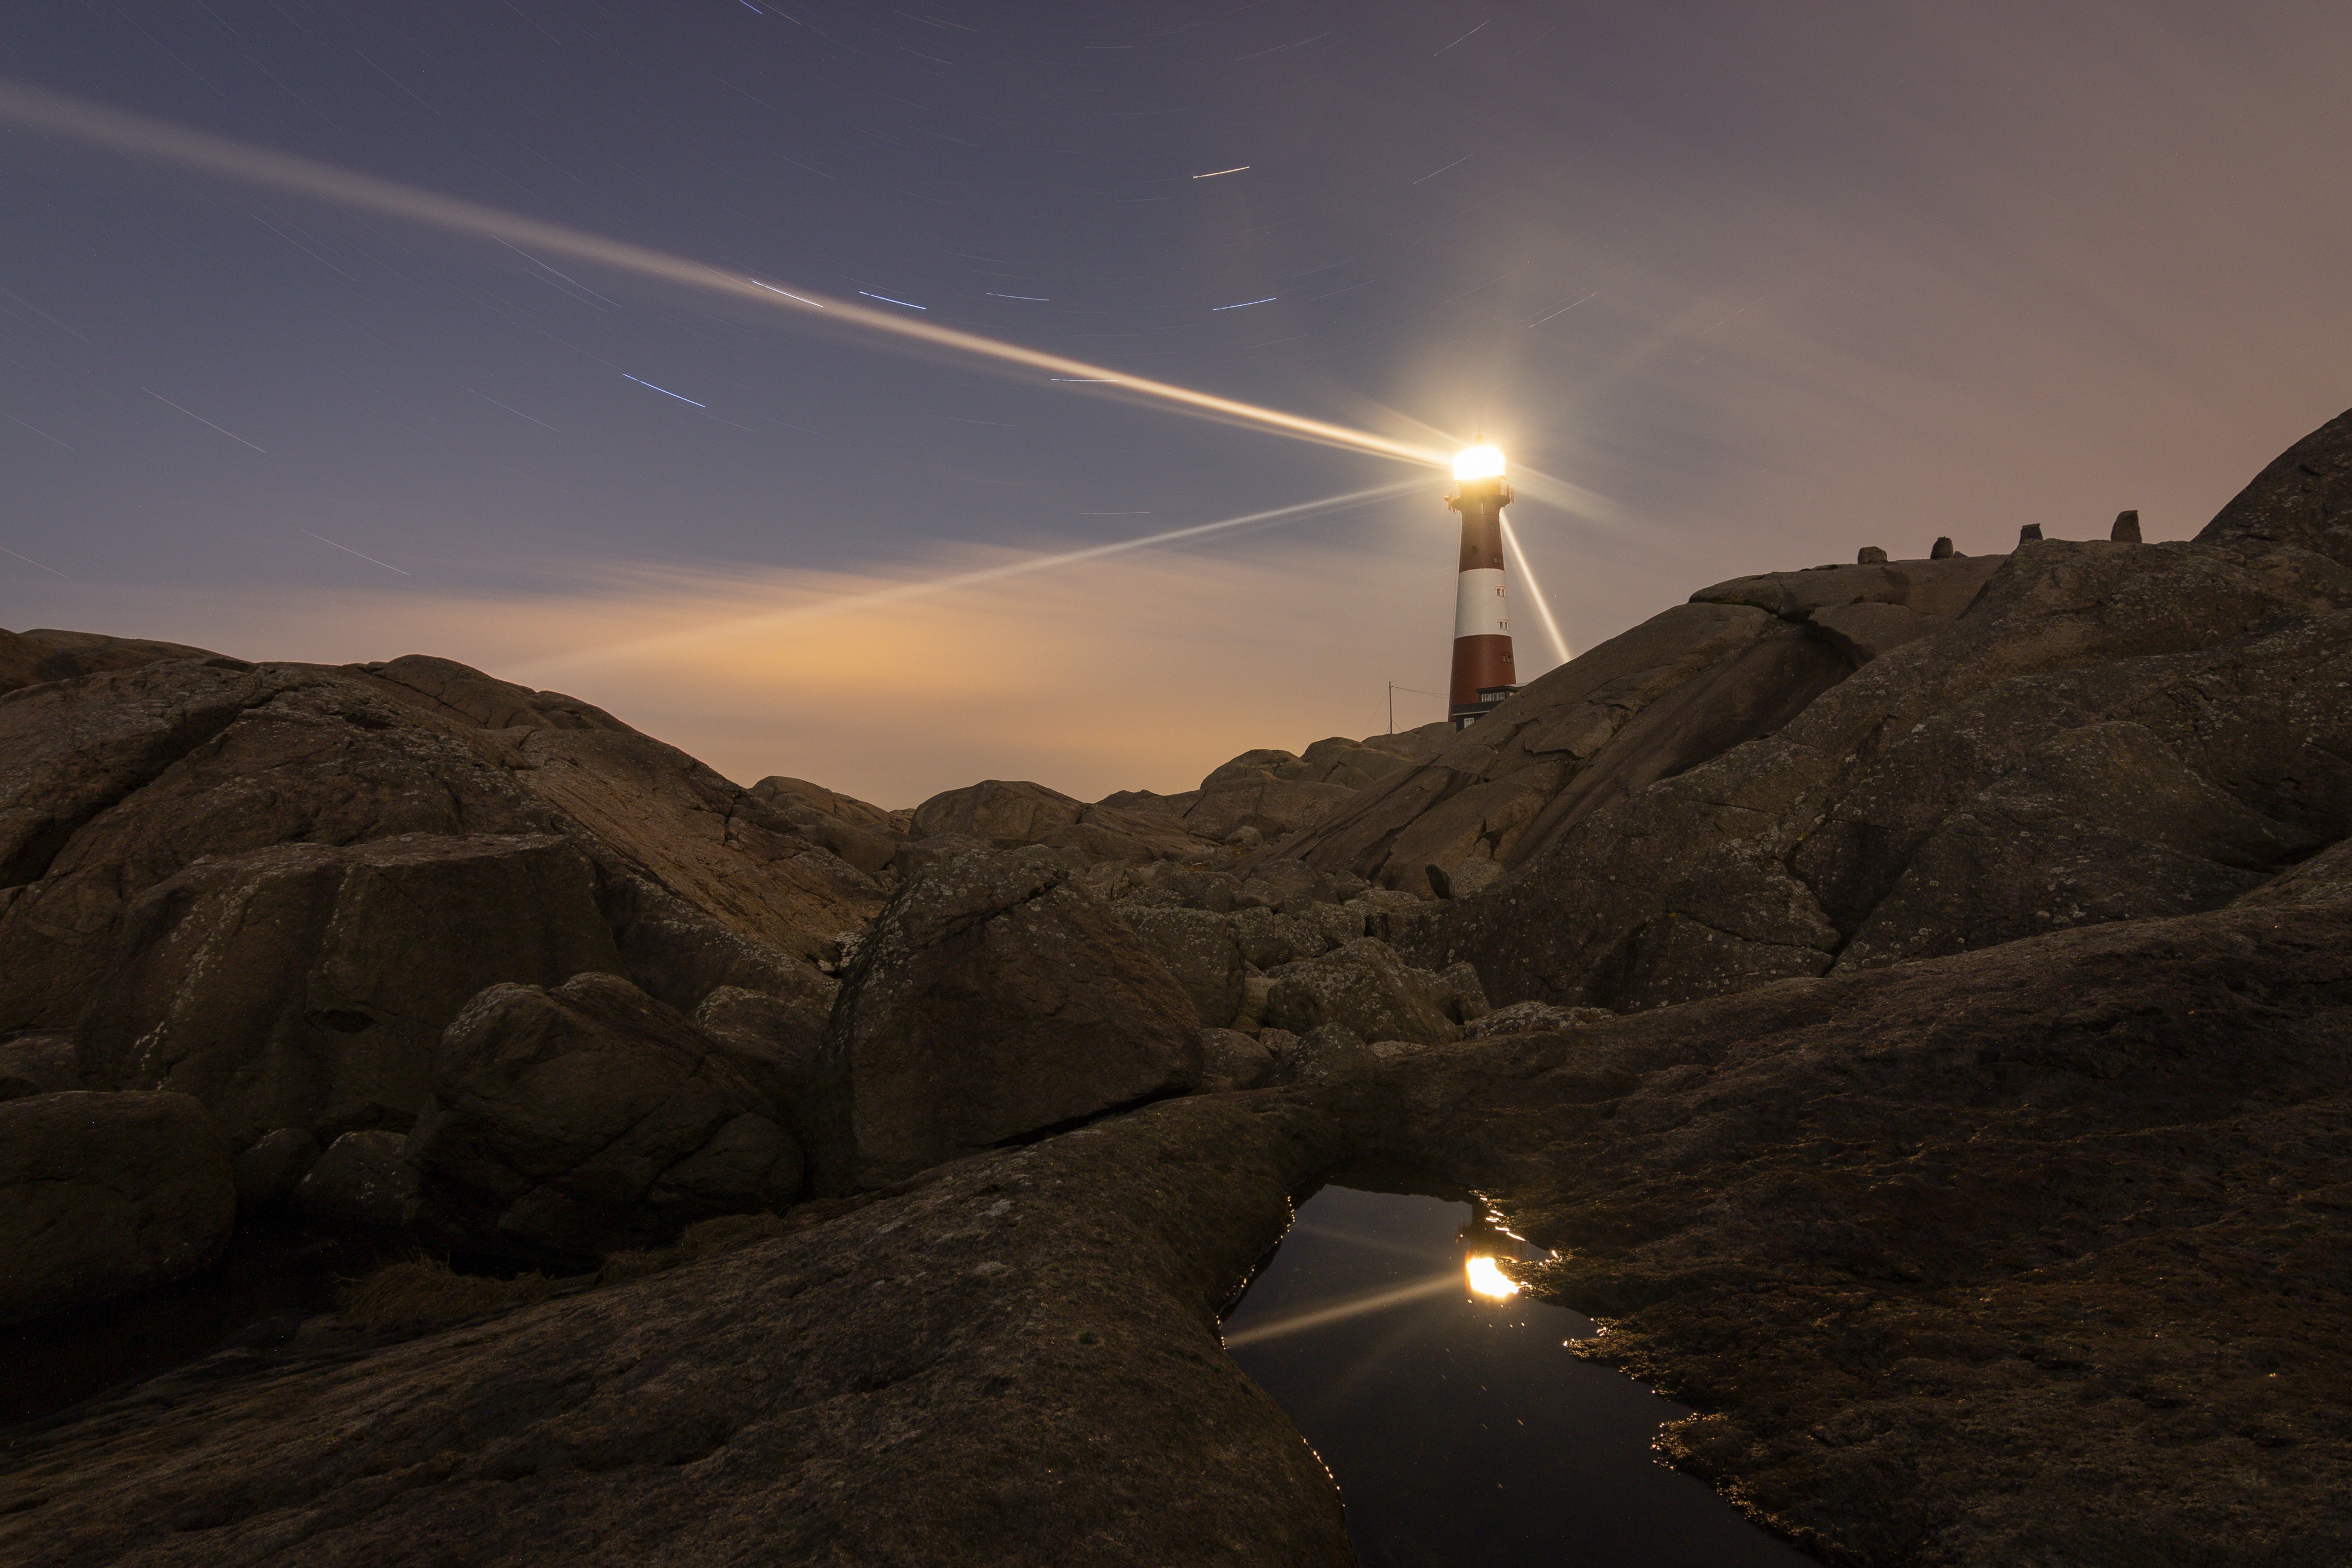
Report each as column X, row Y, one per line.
column 993, row 812
column 1534, row 1017
column 2023, row 1136
column 305, row 985
column 1199, row 948
column 274, row 885
column 105, row 1194
column 773, row 1042
column 1364, row 986
column 1902, row 1234
column 1275, row 794
column 2302, row 501
column 1004, row 815
column 990, row 1001
column 2111, row 732
column 576, row 1121
column 364, row 1179
column 1230, row 1060
column 1681, row 687
column 1862, row 765
column 45, row 1063
column 268, row 1169
column 35, row 657
column 1014, row 1363
column 863, row 836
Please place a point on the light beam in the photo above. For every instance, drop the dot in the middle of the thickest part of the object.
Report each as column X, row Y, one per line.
column 1527, row 576
column 854, row 601
column 98, row 125
column 1353, row 1306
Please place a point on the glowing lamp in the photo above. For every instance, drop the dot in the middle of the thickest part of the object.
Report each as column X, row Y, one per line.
column 1478, row 462
column 1489, row 1281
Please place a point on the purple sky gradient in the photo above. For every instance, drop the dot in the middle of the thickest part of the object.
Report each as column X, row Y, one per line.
column 1776, row 282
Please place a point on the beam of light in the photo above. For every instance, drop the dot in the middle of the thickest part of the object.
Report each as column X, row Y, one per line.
column 1245, row 304
column 1219, row 173
column 887, row 301
column 906, row 591
column 1351, row 1307
column 39, row 109
column 1535, row 590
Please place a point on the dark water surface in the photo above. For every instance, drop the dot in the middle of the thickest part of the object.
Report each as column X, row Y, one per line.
column 1461, row 1430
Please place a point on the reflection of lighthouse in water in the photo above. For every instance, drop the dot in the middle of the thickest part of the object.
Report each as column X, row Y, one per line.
column 1482, row 1241
column 1484, row 673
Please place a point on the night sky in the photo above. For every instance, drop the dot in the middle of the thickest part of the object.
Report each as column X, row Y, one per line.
column 1768, row 283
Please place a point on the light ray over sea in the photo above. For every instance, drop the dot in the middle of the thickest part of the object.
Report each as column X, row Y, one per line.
column 850, row 602
column 39, row 109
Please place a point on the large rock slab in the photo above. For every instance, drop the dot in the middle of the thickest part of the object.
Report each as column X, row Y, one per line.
column 1198, row 948
column 1682, row 687
column 118, row 779
column 997, row 811
column 307, row 985
column 1015, row 1364
column 990, row 1001
column 2111, row 731
column 365, row 1179
column 581, row 1119
column 2301, row 500
column 1899, row 1235
column 1011, row 815
column 46, row 654
column 1942, row 588
column 102, row 1195
column 863, row 835
column 1903, row 1234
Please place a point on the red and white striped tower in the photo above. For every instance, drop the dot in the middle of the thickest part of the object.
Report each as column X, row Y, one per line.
column 1484, row 673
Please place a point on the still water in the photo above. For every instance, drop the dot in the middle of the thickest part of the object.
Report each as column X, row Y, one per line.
column 1459, row 1428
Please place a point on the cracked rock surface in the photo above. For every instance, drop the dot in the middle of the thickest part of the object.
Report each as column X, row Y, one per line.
column 992, row 1000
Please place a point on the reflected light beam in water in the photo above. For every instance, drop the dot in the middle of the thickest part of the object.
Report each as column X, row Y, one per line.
column 1535, row 590
column 94, row 124
column 1351, row 1307
column 854, row 602
column 1487, row 1282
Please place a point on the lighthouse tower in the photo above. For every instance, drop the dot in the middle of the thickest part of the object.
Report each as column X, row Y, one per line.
column 1484, row 673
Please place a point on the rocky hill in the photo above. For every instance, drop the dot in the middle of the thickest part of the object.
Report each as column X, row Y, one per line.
column 1914, row 1000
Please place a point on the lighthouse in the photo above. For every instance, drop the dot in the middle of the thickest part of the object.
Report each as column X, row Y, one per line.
column 1483, row 671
